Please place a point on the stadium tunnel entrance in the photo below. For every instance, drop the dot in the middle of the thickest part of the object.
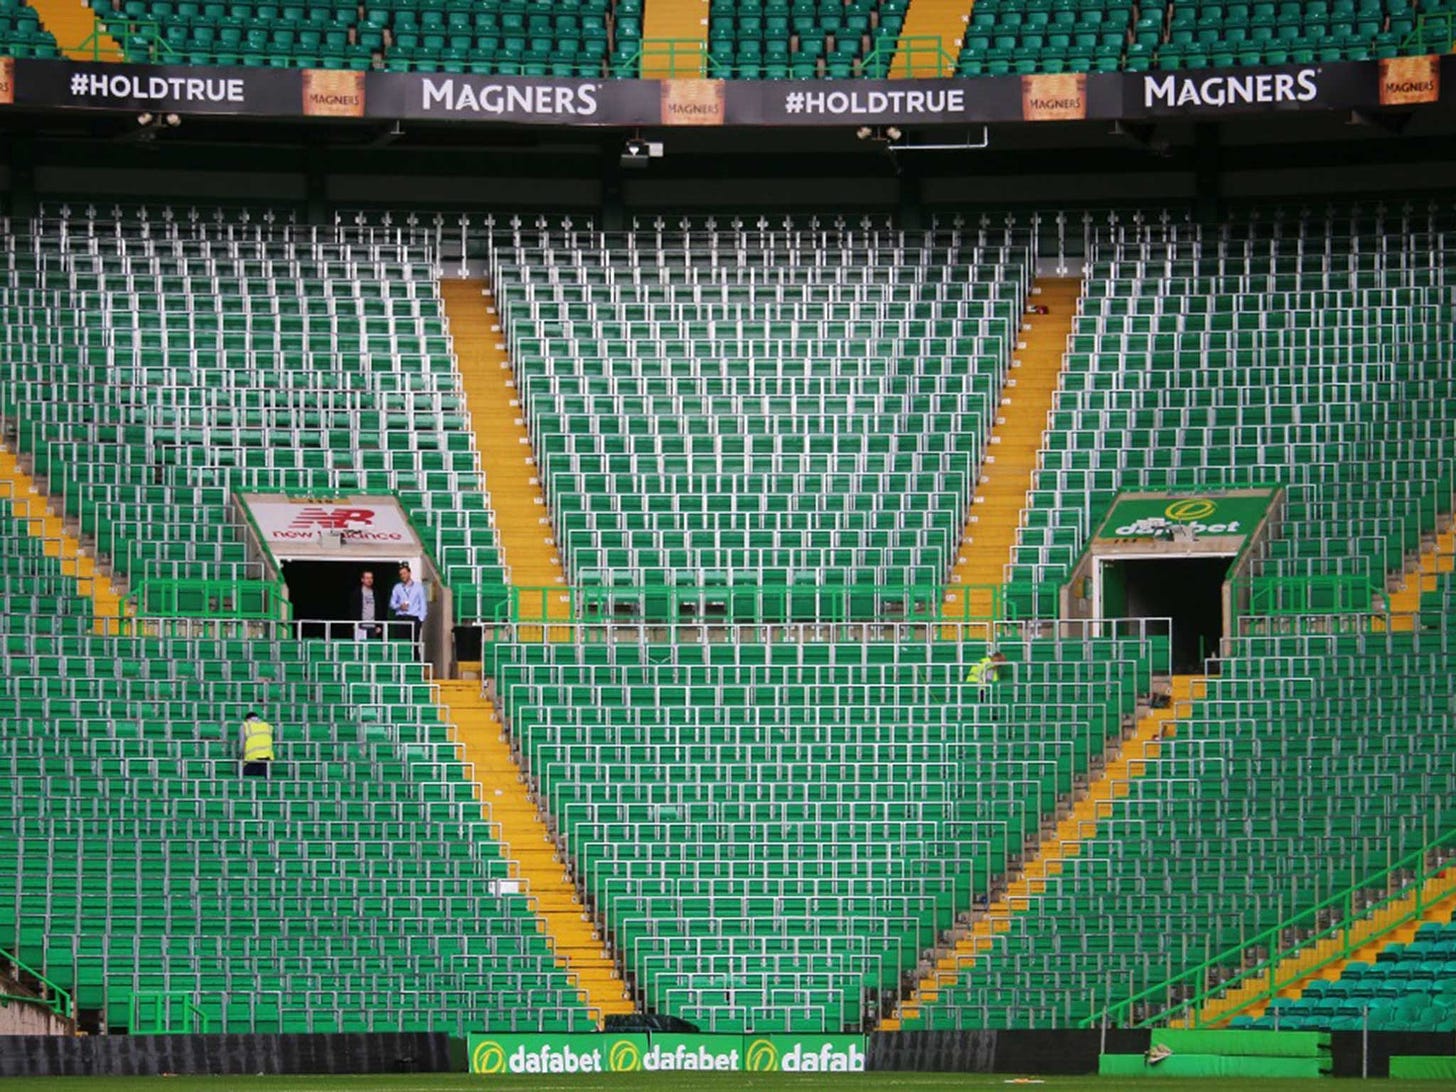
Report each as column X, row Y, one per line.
column 1187, row 590
column 320, row 592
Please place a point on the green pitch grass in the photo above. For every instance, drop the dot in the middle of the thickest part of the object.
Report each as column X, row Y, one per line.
column 692, row 1082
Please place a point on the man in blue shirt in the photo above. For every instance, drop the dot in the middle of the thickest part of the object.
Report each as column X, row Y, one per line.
column 407, row 602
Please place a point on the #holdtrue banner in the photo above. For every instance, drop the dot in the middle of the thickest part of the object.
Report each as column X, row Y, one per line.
column 184, row 89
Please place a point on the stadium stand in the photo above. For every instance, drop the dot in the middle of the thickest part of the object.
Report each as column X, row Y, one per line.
column 1271, row 792
column 1201, row 34
column 774, row 831
column 509, row 37
column 146, row 877
column 747, row 39
column 760, row 407
column 773, row 823
column 159, row 361
column 1410, row 987
column 774, row 39
column 21, row 33
column 1308, row 350
column 1004, row 37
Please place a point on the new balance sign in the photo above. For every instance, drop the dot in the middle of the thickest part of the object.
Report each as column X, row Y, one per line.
column 304, row 528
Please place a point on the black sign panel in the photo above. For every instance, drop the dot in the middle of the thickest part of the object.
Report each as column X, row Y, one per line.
column 545, row 101
column 183, row 89
column 524, row 100
column 1218, row 92
column 871, row 102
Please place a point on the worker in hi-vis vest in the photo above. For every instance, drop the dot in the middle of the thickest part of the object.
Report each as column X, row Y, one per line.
column 984, row 672
column 257, row 746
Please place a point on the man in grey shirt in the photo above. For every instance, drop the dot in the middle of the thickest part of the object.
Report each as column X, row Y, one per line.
column 368, row 609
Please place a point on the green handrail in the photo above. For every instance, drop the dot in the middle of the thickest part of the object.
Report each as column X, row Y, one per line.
column 916, row 56
column 738, row 604
column 154, row 597
column 911, row 56
column 1352, row 593
column 159, row 50
column 480, row 602
column 163, row 1004
column 92, row 42
column 59, row 1001
column 1416, row 40
column 685, row 57
column 1118, row 1014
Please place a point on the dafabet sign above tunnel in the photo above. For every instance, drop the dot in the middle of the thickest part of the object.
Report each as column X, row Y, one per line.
column 1144, row 516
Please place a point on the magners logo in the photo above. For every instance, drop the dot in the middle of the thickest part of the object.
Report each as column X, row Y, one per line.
column 693, row 102
column 333, row 93
column 1405, row 81
column 1060, row 96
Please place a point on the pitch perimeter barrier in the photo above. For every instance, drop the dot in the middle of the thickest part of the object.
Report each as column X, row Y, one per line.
column 606, row 1052
column 1059, row 1052
column 225, row 1055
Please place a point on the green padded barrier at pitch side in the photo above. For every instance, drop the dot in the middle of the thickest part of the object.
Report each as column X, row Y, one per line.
column 1423, row 1069
column 1208, row 1065
column 1262, row 1044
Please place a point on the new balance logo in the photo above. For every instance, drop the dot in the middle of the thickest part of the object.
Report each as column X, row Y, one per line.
column 330, row 519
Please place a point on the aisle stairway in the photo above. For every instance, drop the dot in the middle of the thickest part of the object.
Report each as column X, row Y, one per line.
column 681, row 22
column 1007, row 469
column 528, row 844
column 1320, row 962
column 72, row 23
column 1127, row 763
column 1436, row 558
column 32, row 507
column 522, row 521
column 925, row 19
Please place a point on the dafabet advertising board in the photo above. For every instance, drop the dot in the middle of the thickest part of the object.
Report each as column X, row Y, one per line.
column 519, row 1054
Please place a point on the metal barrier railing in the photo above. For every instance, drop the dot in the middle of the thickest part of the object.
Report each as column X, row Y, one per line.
column 672, row 58
column 1323, row 594
column 55, row 997
column 1434, row 32
column 197, row 598
column 748, row 604
column 921, row 55
column 166, row 1012
column 158, row 49
column 1358, row 924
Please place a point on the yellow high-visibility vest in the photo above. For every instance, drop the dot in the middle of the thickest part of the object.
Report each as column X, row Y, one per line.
column 983, row 672
column 257, row 741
